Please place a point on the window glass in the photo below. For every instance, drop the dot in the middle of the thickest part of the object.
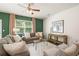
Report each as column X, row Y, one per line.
column 23, row 26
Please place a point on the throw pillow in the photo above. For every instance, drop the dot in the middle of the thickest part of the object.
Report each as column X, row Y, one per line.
column 17, row 38
column 11, row 36
column 40, row 34
column 32, row 34
column 8, row 39
column 15, row 48
column 54, row 37
column 62, row 46
column 77, row 44
column 71, row 50
column 37, row 34
column 61, row 39
column 27, row 35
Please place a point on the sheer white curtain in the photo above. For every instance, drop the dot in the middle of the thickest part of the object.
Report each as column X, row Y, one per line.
column 0, row 28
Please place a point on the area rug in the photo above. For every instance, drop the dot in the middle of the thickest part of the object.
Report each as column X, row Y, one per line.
column 36, row 49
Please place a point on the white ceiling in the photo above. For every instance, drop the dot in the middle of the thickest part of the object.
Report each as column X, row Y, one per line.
column 45, row 8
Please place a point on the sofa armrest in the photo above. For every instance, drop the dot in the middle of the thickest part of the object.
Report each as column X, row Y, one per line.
column 53, row 52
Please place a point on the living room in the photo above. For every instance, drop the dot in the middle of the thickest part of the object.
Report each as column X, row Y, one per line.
column 38, row 29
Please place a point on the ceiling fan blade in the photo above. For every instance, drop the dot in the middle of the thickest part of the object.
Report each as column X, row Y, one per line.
column 21, row 5
column 28, row 7
column 35, row 9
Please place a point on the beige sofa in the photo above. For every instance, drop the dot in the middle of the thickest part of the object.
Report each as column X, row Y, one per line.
column 33, row 36
column 62, row 50
column 13, row 46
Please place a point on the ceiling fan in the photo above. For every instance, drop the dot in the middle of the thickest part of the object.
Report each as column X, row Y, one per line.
column 30, row 8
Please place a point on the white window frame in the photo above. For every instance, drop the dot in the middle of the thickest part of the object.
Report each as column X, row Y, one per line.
column 24, row 24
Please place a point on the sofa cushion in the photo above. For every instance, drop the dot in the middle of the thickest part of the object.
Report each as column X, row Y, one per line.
column 34, row 38
column 25, row 53
column 16, row 48
column 71, row 50
column 53, row 52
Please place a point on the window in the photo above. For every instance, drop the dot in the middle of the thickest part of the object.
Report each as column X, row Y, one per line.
column 23, row 26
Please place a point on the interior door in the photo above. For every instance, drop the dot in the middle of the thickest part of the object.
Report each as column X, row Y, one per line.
column 0, row 28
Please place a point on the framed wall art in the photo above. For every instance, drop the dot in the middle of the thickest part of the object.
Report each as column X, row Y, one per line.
column 58, row 26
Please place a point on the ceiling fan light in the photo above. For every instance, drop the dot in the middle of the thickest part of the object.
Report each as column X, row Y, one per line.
column 27, row 11
column 30, row 11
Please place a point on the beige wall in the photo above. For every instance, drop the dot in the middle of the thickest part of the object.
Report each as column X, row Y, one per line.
column 71, row 23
